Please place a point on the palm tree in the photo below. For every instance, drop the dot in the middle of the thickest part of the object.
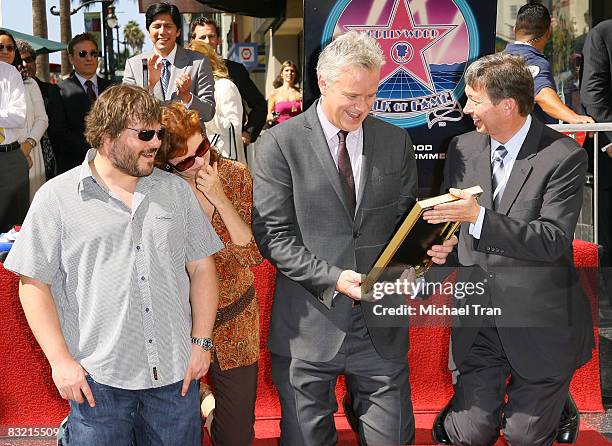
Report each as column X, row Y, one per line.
column 133, row 36
column 39, row 28
column 65, row 34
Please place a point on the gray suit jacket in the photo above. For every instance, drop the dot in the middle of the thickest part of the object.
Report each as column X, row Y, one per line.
column 186, row 61
column 524, row 253
column 303, row 225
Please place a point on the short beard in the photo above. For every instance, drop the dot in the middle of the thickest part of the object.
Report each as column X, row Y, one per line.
column 126, row 161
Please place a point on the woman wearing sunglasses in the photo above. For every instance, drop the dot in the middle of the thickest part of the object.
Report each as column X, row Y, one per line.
column 224, row 190
column 36, row 116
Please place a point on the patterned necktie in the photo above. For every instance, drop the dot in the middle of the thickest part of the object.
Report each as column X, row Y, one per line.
column 346, row 171
column 165, row 76
column 90, row 91
column 2, row 137
column 497, row 179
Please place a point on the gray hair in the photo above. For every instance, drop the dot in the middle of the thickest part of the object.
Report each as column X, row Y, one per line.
column 25, row 47
column 503, row 76
column 349, row 49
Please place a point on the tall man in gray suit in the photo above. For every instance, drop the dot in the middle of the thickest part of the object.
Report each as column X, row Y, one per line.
column 171, row 72
column 518, row 241
column 329, row 188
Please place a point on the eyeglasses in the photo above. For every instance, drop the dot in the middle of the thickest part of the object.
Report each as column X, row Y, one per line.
column 147, row 135
column 9, row 48
column 83, row 54
column 29, row 59
column 185, row 164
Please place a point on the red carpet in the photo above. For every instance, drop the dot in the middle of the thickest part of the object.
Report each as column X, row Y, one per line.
column 268, row 432
column 28, row 395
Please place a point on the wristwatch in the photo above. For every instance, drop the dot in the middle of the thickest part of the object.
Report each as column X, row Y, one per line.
column 31, row 141
column 205, row 343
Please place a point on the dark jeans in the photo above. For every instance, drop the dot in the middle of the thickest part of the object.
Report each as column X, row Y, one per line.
column 156, row 416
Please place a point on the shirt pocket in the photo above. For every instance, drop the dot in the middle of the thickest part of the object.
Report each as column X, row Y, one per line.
column 165, row 232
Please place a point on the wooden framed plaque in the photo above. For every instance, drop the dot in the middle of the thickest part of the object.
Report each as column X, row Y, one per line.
column 410, row 243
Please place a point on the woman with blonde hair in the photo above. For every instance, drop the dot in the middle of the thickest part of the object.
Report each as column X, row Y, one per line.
column 225, row 129
column 285, row 101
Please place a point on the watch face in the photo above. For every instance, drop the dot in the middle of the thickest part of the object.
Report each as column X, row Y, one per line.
column 205, row 343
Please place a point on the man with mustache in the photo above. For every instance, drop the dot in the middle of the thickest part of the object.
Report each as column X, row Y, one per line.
column 118, row 283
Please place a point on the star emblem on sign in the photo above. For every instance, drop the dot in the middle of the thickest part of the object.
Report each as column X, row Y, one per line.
column 405, row 43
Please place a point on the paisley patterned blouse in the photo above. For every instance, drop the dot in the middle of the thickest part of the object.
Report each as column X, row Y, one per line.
column 237, row 340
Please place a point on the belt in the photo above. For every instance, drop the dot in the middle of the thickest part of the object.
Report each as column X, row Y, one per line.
column 229, row 312
column 9, row 147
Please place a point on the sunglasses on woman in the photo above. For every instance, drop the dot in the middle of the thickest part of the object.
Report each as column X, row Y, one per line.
column 9, row 48
column 147, row 135
column 190, row 160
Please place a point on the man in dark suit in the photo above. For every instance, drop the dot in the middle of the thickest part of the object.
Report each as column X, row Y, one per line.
column 171, row 72
column 518, row 243
column 329, row 188
column 69, row 105
column 207, row 30
column 596, row 96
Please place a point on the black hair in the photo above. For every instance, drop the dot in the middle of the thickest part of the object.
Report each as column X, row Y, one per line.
column 17, row 62
column 163, row 8
column 533, row 20
column 83, row 37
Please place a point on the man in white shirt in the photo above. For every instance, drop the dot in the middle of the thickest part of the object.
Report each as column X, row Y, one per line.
column 14, row 182
column 77, row 93
column 171, row 72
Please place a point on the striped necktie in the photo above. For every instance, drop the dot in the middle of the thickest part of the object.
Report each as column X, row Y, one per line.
column 497, row 179
column 165, row 76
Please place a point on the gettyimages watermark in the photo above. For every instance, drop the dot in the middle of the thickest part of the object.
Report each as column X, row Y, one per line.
column 535, row 297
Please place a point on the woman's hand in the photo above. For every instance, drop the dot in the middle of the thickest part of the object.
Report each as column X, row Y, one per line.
column 208, row 182
column 26, row 148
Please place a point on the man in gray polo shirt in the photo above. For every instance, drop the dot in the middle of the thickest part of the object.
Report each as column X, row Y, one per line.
column 118, row 283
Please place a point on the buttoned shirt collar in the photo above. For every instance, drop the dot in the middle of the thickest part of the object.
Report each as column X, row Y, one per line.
column 93, row 79
column 514, row 144
column 354, row 145
column 170, row 57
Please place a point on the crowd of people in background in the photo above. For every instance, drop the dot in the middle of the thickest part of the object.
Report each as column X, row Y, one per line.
column 202, row 112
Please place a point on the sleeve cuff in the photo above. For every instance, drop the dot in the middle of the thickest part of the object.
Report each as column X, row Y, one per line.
column 476, row 228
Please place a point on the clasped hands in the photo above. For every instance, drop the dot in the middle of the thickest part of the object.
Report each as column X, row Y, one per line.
column 182, row 81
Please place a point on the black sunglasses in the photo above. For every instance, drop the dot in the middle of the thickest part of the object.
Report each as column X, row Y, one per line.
column 188, row 162
column 83, row 54
column 9, row 48
column 147, row 135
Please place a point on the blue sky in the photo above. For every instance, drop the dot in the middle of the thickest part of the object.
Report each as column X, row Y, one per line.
column 17, row 15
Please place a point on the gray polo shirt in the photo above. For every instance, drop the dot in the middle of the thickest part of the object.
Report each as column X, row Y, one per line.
column 117, row 274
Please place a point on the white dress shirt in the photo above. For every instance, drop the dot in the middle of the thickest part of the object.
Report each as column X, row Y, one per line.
column 513, row 146
column 93, row 79
column 12, row 102
column 354, row 145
